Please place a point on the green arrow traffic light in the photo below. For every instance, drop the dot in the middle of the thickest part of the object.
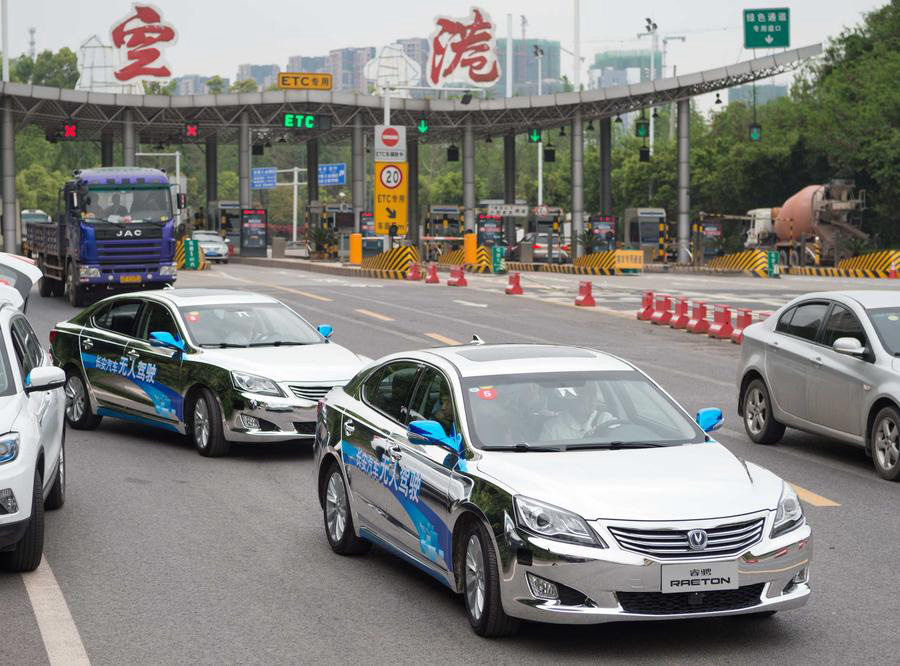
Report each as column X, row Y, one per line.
column 422, row 126
column 642, row 128
column 755, row 132
column 534, row 136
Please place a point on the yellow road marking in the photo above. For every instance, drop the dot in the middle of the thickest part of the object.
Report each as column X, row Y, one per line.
column 315, row 297
column 441, row 338
column 374, row 315
column 810, row 497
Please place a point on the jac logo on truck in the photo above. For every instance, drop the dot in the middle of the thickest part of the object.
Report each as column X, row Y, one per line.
column 124, row 233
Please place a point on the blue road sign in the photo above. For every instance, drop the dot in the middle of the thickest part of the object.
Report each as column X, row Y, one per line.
column 333, row 174
column 263, row 178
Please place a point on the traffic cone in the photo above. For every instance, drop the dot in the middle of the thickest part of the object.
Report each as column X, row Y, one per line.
column 892, row 274
column 457, row 277
column 585, row 296
column 432, row 276
column 515, row 286
column 414, row 273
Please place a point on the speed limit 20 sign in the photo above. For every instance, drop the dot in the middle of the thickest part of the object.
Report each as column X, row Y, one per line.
column 391, row 198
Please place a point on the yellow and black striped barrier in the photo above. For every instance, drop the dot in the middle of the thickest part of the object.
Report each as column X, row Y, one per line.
column 458, row 258
column 753, row 262
column 390, row 265
column 871, row 265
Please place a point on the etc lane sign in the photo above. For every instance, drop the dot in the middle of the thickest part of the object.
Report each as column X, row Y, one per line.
column 391, row 197
column 333, row 174
column 767, row 28
column 304, row 81
column 390, row 143
column 263, row 178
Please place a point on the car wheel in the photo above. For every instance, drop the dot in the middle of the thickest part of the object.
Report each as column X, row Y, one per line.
column 74, row 293
column 57, row 496
column 885, row 443
column 26, row 554
column 481, row 585
column 759, row 422
column 338, row 520
column 206, row 426
column 78, row 404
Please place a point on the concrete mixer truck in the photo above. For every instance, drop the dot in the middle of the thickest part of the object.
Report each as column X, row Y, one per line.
column 813, row 227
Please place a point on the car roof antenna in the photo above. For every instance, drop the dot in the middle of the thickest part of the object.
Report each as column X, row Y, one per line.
column 476, row 340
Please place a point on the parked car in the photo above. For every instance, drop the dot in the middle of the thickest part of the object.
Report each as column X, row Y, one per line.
column 554, row 484
column 213, row 245
column 544, row 248
column 827, row 363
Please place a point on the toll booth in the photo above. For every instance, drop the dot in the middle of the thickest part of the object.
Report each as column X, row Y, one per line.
column 646, row 229
column 225, row 215
column 372, row 243
column 254, row 232
column 443, row 231
column 710, row 239
column 549, row 225
column 490, row 230
column 603, row 231
column 338, row 216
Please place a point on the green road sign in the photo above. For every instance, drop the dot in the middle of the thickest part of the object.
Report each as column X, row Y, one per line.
column 498, row 259
column 755, row 132
column 191, row 254
column 422, row 126
column 767, row 28
column 642, row 128
column 534, row 136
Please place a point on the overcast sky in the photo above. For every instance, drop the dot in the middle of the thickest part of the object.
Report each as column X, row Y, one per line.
column 214, row 36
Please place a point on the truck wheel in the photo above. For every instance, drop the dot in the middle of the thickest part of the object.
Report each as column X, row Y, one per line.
column 26, row 554
column 74, row 293
column 45, row 288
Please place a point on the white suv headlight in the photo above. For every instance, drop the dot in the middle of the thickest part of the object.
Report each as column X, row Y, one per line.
column 244, row 381
column 9, row 447
column 789, row 515
column 554, row 523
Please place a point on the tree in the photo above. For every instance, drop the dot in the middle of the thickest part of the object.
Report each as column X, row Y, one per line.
column 36, row 187
column 59, row 69
column 215, row 85
column 246, row 85
column 158, row 88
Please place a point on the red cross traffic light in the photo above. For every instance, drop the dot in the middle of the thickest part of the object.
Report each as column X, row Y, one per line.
column 191, row 130
column 70, row 130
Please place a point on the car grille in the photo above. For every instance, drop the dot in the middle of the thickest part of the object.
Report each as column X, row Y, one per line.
column 657, row 603
column 723, row 540
column 314, row 393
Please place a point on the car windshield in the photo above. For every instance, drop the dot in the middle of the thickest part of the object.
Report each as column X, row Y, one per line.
column 126, row 206
column 207, row 238
column 248, row 325
column 566, row 411
column 887, row 324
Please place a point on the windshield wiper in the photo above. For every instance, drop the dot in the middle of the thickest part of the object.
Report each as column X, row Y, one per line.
column 224, row 345
column 614, row 445
column 522, row 446
column 278, row 343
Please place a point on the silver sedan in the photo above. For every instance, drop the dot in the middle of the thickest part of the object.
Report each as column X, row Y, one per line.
column 827, row 363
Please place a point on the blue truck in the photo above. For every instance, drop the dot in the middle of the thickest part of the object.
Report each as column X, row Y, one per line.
column 115, row 231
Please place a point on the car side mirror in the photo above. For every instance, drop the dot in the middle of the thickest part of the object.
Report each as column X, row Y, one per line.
column 45, row 378
column 74, row 199
column 181, row 199
column 849, row 346
column 325, row 330
column 166, row 339
column 432, row 432
column 710, row 418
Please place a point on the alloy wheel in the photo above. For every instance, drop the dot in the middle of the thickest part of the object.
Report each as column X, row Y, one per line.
column 75, row 399
column 201, row 423
column 475, row 577
column 756, row 411
column 336, row 508
column 887, row 443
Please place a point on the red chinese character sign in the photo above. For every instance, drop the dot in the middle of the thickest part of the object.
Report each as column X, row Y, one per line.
column 140, row 37
column 463, row 51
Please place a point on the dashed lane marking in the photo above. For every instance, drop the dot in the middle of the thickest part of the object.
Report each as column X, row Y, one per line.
column 58, row 631
column 810, row 497
column 471, row 304
column 315, row 297
column 445, row 340
column 374, row 315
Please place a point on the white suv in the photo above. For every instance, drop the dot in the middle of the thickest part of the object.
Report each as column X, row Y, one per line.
column 32, row 424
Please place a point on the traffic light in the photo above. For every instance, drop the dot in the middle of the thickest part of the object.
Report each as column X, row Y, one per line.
column 549, row 154
column 755, row 132
column 422, row 125
column 69, row 130
column 644, row 154
column 642, row 128
column 191, row 130
column 453, row 154
column 534, row 135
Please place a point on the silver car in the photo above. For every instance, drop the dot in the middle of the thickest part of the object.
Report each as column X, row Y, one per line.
column 827, row 363
column 555, row 484
column 214, row 247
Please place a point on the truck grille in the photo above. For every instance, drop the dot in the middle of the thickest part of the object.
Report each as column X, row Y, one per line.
column 137, row 253
column 665, row 543
column 657, row 603
column 314, row 393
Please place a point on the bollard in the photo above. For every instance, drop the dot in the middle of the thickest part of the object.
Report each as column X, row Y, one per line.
column 457, row 277
column 414, row 272
column 585, row 298
column 662, row 310
column 698, row 322
column 432, row 276
column 681, row 317
column 515, row 286
column 646, row 310
column 742, row 320
column 721, row 325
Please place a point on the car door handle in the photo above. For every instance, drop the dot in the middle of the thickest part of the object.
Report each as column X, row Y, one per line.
column 349, row 428
column 133, row 353
column 395, row 453
column 817, row 361
column 87, row 344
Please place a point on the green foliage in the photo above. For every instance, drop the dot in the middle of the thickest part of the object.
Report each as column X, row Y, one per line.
column 215, row 85
column 58, row 69
column 246, row 85
column 157, row 88
column 37, row 187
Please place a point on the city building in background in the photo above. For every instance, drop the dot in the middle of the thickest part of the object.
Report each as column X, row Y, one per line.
column 620, row 68
column 525, row 67
column 765, row 93
column 191, row 84
column 298, row 63
column 265, row 76
column 347, row 67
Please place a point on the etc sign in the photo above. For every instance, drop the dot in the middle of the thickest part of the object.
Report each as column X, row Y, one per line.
column 463, row 51
column 139, row 39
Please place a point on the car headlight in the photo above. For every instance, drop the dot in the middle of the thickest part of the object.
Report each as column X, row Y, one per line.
column 168, row 269
column 255, row 384
column 9, row 447
column 789, row 515
column 554, row 523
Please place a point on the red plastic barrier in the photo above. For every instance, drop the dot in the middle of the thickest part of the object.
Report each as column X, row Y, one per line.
column 457, row 277
column 742, row 320
column 515, row 285
column 662, row 310
column 698, row 322
column 681, row 317
column 585, row 296
column 414, row 273
column 432, row 277
column 721, row 326
column 646, row 310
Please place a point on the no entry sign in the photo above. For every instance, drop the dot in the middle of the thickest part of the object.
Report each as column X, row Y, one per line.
column 390, row 136
column 390, row 143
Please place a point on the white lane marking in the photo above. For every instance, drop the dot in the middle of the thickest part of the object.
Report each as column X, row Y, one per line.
column 61, row 638
column 471, row 304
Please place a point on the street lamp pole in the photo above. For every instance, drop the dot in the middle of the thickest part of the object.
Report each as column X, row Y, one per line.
column 652, row 32
column 539, row 54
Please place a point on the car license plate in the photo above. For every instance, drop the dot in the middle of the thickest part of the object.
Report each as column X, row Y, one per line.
column 130, row 278
column 699, row 577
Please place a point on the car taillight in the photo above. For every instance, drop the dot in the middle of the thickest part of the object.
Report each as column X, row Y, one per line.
column 535, row 247
column 52, row 335
column 565, row 247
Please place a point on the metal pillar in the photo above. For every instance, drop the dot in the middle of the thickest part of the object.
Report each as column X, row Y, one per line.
column 684, row 179
column 468, row 170
column 244, row 160
column 509, row 183
column 577, row 183
column 8, row 189
column 212, row 177
column 605, row 145
column 412, row 157
column 358, row 171
column 106, row 149
column 129, row 145
column 312, row 181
